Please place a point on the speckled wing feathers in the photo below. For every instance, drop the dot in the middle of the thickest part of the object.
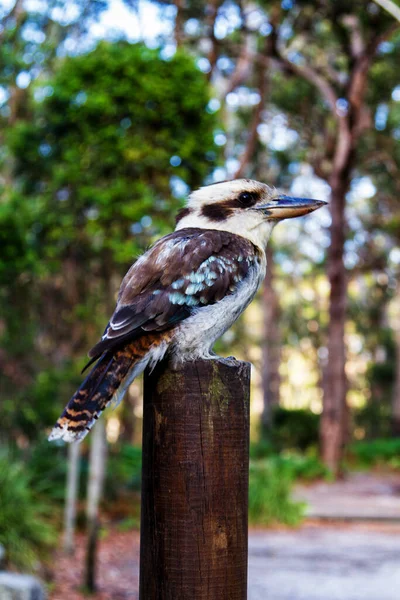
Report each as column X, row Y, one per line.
column 185, row 270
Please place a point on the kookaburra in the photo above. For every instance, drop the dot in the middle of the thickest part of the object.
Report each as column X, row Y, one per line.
column 184, row 292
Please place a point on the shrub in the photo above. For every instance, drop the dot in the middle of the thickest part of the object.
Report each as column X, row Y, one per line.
column 301, row 466
column 297, row 428
column 124, row 470
column 47, row 467
column 25, row 533
column 375, row 419
column 261, row 449
column 304, row 466
column 270, row 487
column 385, row 451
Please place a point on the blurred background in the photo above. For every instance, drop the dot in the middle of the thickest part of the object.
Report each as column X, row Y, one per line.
column 111, row 112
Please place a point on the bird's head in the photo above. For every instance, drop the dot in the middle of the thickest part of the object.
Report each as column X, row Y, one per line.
column 244, row 207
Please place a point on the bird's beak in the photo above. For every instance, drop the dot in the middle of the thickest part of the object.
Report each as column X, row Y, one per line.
column 286, row 207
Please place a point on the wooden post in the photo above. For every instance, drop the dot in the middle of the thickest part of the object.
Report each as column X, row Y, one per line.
column 195, row 481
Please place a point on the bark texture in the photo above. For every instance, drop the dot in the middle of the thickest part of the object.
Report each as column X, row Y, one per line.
column 195, row 482
column 71, row 497
column 335, row 386
column 95, row 487
column 271, row 348
column 396, row 392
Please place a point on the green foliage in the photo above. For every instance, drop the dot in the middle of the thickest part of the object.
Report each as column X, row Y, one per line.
column 307, row 466
column 32, row 412
column 374, row 419
column 270, row 486
column 25, row 531
column 19, row 251
column 93, row 182
column 124, row 470
column 261, row 449
column 376, row 452
column 294, row 428
column 47, row 467
column 98, row 148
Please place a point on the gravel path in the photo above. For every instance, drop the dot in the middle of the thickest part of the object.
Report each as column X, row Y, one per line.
column 361, row 496
column 354, row 557
column 325, row 563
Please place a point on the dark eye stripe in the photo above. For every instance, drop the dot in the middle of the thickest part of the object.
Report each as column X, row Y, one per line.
column 219, row 211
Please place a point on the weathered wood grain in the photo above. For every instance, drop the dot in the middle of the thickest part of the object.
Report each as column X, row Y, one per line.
column 195, row 482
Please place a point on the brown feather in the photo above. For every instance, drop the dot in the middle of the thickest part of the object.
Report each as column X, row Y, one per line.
column 99, row 387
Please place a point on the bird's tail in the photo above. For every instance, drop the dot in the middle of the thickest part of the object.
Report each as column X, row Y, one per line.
column 107, row 382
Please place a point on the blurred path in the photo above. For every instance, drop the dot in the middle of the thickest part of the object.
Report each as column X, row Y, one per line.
column 325, row 563
column 360, row 496
column 325, row 559
column 314, row 562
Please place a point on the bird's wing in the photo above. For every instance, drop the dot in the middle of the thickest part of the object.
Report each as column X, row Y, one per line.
column 180, row 274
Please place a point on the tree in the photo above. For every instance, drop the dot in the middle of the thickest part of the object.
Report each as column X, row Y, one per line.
column 351, row 39
column 271, row 346
column 30, row 39
column 114, row 138
column 71, row 496
column 97, row 462
column 321, row 57
column 396, row 391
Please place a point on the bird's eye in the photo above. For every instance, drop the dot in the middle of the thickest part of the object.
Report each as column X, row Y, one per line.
column 247, row 199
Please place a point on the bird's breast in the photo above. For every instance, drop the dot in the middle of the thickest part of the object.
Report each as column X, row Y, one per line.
column 196, row 335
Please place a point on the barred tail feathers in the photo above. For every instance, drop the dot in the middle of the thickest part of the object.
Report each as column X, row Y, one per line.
column 107, row 382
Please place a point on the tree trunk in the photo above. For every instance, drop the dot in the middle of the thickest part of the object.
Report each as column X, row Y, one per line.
column 396, row 391
column 271, row 347
column 179, row 32
column 334, row 414
column 211, row 16
column 95, row 487
column 71, row 497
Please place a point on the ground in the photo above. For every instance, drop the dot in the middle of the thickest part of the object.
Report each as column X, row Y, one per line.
column 336, row 555
column 325, row 562
column 360, row 496
column 117, row 571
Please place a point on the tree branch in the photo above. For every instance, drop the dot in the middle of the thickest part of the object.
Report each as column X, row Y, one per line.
column 257, row 116
column 312, row 76
column 179, row 23
column 242, row 69
column 390, row 7
column 306, row 72
column 17, row 13
column 211, row 16
column 357, row 46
